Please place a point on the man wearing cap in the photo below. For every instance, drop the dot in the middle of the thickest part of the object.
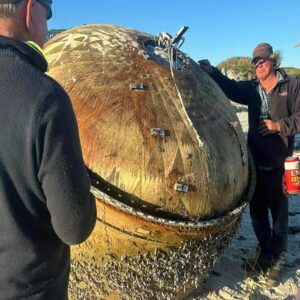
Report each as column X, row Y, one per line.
column 45, row 199
column 273, row 100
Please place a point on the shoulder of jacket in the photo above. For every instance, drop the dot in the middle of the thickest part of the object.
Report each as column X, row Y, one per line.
column 46, row 92
column 50, row 89
column 254, row 81
column 290, row 81
column 287, row 77
column 44, row 80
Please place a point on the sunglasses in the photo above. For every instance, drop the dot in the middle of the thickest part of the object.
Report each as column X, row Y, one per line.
column 47, row 5
column 258, row 62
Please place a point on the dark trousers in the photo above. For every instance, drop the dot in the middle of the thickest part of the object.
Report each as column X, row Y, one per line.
column 269, row 195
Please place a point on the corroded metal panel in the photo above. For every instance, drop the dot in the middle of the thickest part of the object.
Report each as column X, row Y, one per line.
column 205, row 148
column 167, row 160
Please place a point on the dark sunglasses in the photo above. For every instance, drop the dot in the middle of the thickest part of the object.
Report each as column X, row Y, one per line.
column 47, row 5
column 258, row 62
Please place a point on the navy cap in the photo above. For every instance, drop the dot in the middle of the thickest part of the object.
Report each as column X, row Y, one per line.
column 48, row 5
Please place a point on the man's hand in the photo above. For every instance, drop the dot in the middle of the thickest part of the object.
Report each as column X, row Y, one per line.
column 268, row 127
column 206, row 66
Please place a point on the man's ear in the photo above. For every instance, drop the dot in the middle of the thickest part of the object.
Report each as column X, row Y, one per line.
column 28, row 14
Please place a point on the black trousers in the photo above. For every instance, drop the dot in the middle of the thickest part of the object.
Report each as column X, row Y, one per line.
column 269, row 197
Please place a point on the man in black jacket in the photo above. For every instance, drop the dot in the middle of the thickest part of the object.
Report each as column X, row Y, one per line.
column 45, row 202
column 273, row 100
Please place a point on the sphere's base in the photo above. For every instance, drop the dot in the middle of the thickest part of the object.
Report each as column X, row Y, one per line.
column 155, row 275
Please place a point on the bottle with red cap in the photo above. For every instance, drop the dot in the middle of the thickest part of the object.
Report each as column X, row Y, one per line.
column 292, row 175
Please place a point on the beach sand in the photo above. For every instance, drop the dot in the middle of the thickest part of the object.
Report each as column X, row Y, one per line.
column 229, row 280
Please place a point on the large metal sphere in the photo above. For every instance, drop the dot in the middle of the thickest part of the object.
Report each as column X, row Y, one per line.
column 167, row 159
column 205, row 149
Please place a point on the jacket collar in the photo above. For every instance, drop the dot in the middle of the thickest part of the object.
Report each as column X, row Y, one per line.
column 283, row 73
column 32, row 54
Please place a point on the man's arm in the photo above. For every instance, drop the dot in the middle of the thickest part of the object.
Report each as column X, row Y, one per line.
column 236, row 91
column 62, row 172
column 291, row 125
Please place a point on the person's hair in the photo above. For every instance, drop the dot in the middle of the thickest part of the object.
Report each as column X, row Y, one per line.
column 276, row 58
column 9, row 10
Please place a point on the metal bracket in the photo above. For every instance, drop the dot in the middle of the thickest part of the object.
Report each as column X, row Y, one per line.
column 165, row 40
column 159, row 132
column 137, row 86
column 179, row 36
column 181, row 187
column 143, row 231
column 177, row 59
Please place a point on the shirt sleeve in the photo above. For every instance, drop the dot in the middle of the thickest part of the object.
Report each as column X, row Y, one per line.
column 62, row 172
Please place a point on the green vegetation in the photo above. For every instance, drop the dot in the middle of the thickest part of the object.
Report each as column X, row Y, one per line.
column 241, row 66
column 293, row 71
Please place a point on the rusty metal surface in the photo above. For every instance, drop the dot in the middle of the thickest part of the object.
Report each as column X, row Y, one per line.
column 167, row 160
column 205, row 148
column 132, row 255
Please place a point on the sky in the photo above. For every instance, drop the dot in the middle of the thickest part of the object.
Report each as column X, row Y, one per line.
column 218, row 29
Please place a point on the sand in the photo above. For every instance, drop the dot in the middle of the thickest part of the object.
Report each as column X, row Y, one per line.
column 229, row 280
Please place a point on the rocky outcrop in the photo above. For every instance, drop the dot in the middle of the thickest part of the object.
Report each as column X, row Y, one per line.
column 233, row 74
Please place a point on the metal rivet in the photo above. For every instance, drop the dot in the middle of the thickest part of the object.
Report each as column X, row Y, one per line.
column 181, row 187
column 159, row 132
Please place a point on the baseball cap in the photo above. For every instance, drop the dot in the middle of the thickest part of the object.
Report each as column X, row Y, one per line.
column 262, row 50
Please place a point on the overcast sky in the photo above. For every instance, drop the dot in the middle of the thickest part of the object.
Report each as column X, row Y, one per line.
column 219, row 29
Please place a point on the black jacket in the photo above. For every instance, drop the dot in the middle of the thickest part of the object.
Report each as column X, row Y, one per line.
column 271, row 150
column 45, row 203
